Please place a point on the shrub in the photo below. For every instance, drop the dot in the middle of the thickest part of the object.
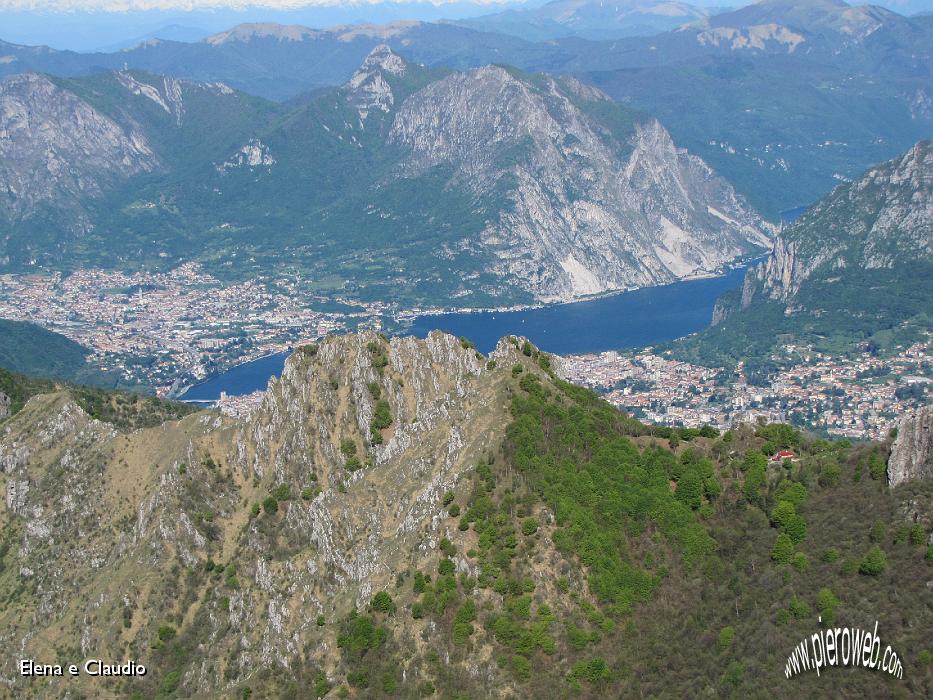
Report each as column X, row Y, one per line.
column 798, row 608
column 382, row 602
column 529, row 526
column 800, row 562
column 726, row 637
column 348, row 447
column 382, row 416
column 594, row 671
column 462, row 632
column 849, row 566
column 359, row 634
column 733, row 674
column 827, row 603
column 454, row 510
column 874, row 562
column 166, row 633
column 270, row 505
column 320, row 621
column 171, row 682
column 521, row 668
column 389, row 684
column 517, row 370
column 917, row 534
column 830, row 474
column 876, row 466
column 783, row 549
column 448, row 498
column 282, row 492
column 830, row 555
column 877, row 532
column 358, row 679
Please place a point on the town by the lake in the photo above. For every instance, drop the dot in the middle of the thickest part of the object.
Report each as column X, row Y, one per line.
column 168, row 330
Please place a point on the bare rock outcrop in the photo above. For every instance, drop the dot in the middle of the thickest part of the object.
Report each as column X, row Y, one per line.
column 912, row 453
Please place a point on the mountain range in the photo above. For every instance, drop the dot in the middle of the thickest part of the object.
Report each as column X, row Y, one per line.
column 590, row 19
column 784, row 98
column 485, row 186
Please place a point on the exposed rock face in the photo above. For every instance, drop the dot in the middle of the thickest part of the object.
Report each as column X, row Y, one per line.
column 878, row 221
column 57, row 149
column 252, row 155
column 368, row 89
column 581, row 209
column 4, row 405
column 912, row 452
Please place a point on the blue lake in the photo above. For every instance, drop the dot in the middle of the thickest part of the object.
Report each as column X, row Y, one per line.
column 629, row 320
column 242, row 379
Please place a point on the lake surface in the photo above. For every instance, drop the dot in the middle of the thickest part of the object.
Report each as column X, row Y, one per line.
column 242, row 379
column 621, row 321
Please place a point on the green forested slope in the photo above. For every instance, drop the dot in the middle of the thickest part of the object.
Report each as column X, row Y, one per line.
column 30, row 349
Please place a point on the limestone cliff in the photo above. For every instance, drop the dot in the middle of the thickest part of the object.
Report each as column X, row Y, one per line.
column 912, row 452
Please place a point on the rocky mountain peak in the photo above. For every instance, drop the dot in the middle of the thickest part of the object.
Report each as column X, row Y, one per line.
column 383, row 58
column 571, row 224
column 368, row 88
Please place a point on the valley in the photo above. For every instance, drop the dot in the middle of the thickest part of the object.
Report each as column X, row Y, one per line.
column 562, row 349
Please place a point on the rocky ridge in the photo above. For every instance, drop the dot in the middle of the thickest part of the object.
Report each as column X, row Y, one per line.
column 124, row 509
column 882, row 219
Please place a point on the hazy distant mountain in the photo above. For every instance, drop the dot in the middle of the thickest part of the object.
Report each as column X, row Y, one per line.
column 170, row 32
column 482, row 185
column 591, row 19
column 786, row 99
column 854, row 269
